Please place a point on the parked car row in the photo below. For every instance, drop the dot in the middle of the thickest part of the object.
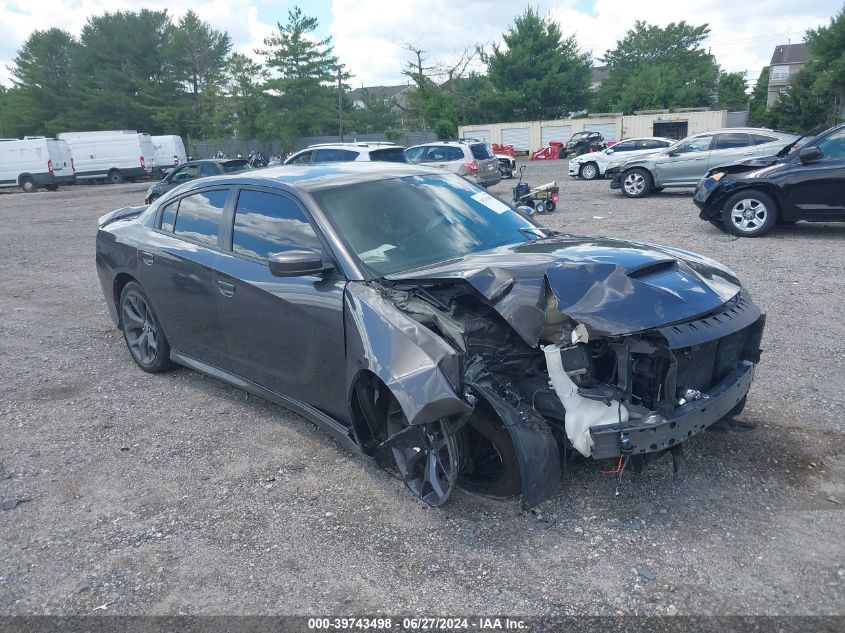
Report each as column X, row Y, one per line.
column 746, row 180
column 113, row 156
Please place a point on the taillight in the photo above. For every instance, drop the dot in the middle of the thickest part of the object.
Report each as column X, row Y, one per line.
column 143, row 166
column 473, row 167
column 50, row 165
column 554, row 197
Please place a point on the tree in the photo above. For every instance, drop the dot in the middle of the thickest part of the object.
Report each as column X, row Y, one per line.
column 375, row 114
column 536, row 73
column 197, row 56
column 759, row 99
column 40, row 79
column 302, row 98
column 815, row 98
column 121, row 78
column 733, row 91
column 655, row 68
column 244, row 96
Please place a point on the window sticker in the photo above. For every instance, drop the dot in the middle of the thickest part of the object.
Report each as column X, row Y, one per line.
column 494, row 204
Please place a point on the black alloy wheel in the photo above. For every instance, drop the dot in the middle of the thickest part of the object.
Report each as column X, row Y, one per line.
column 141, row 331
column 426, row 455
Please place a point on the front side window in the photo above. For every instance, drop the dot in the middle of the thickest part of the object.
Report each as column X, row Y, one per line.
column 301, row 159
column 267, row 223
column 651, row 144
column 234, row 166
column 626, row 146
column 732, row 140
column 833, row 147
column 398, row 224
column 187, row 172
column 198, row 217
column 697, row 144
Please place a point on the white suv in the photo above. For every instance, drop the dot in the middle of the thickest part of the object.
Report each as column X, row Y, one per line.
column 348, row 152
column 593, row 164
column 474, row 160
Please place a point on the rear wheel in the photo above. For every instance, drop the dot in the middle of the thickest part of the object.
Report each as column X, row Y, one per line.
column 115, row 177
column 142, row 332
column 28, row 185
column 589, row 171
column 636, row 183
column 750, row 214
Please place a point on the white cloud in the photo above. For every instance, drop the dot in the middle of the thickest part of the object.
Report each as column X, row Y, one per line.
column 368, row 33
column 240, row 20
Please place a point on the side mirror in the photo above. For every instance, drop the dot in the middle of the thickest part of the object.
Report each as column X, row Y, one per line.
column 297, row 263
column 809, row 154
column 673, row 153
column 609, row 150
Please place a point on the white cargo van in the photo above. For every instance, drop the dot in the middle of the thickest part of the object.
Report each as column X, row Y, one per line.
column 169, row 151
column 114, row 155
column 35, row 161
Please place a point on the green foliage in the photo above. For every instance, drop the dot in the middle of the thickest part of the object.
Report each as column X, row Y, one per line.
column 198, row 58
column 244, row 97
column 654, row 68
column 759, row 96
column 815, row 98
column 375, row 115
column 537, row 73
column 41, row 74
column 393, row 135
column 301, row 93
column 733, row 91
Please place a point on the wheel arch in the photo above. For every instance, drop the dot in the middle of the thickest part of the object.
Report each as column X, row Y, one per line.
column 118, row 284
column 23, row 176
column 767, row 188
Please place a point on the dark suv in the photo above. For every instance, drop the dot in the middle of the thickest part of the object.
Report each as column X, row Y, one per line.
column 749, row 198
column 193, row 170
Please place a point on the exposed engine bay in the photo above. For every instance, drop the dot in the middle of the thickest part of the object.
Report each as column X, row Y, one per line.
column 558, row 385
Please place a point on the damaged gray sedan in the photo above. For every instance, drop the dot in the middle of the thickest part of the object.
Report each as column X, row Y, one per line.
column 429, row 326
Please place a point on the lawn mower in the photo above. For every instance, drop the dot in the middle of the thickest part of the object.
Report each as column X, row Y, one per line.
column 542, row 199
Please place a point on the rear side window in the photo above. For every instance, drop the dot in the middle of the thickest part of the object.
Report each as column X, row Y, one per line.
column 199, row 215
column 762, row 139
column 414, row 154
column 732, row 140
column 442, row 153
column 334, row 155
column 480, row 151
column 267, row 223
column 168, row 216
column 234, row 166
column 390, row 155
column 207, row 169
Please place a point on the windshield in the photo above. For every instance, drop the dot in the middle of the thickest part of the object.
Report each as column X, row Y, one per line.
column 398, row 224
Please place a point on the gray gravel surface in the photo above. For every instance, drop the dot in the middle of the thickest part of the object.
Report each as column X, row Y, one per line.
column 178, row 494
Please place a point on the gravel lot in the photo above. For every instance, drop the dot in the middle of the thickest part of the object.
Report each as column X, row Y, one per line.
column 178, row 494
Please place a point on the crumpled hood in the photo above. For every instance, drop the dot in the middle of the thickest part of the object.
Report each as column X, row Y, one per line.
column 612, row 286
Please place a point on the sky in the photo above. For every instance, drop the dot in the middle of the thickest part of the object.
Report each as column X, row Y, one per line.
column 368, row 34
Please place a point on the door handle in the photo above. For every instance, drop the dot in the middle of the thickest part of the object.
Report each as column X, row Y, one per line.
column 147, row 258
column 226, row 289
column 747, row 153
column 700, row 158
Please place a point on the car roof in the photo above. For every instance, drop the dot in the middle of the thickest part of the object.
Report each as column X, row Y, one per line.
column 318, row 175
column 455, row 143
column 749, row 130
column 362, row 146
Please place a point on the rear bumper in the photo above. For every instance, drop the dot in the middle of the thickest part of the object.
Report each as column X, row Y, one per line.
column 489, row 180
column 658, row 432
column 52, row 179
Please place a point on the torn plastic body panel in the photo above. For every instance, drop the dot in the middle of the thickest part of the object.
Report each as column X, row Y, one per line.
column 602, row 347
